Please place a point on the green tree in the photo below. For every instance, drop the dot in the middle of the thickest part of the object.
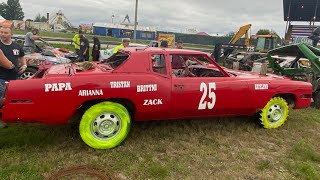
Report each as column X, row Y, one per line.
column 230, row 34
column 12, row 10
column 263, row 32
column 43, row 19
column 3, row 7
column 40, row 18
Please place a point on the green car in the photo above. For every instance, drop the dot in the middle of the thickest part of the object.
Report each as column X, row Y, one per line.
column 299, row 62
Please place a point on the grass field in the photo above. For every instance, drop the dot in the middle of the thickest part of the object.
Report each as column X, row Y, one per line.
column 215, row 148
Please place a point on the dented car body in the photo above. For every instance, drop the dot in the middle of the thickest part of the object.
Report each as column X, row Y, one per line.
column 148, row 84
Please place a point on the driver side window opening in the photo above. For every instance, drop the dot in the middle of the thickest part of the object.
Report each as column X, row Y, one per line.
column 158, row 64
column 193, row 65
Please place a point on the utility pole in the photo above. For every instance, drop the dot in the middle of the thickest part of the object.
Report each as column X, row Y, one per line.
column 135, row 21
column 112, row 17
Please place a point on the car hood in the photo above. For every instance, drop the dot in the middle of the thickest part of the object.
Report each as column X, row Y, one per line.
column 254, row 75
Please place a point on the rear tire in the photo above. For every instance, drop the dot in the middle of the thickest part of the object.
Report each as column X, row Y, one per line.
column 105, row 125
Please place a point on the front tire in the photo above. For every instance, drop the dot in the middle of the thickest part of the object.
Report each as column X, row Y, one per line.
column 275, row 113
column 105, row 125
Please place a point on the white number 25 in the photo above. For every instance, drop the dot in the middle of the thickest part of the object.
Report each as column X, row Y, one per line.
column 207, row 91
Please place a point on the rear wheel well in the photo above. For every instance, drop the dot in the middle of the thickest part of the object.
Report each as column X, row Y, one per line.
column 290, row 98
column 128, row 104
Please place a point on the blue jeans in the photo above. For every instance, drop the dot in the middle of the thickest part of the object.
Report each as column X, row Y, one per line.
column 2, row 84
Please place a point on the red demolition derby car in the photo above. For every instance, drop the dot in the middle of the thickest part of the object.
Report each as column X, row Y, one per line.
column 148, row 84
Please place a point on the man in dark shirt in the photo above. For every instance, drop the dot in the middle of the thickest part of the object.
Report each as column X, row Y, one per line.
column 13, row 53
column 84, row 48
column 11, row 58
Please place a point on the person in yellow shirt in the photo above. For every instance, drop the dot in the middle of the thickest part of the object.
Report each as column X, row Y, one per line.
column 125, row 43
column 76, row 41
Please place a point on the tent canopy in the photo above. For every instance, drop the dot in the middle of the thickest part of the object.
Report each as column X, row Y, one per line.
column 6, row 23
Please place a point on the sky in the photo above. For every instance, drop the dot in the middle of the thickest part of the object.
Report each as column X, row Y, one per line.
column 214, row 17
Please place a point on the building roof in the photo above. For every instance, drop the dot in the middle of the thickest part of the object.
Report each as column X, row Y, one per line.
column 121, row 26
column 301, row 10
column 203, row 34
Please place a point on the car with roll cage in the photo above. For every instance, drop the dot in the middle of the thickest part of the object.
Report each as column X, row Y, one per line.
column 139, row 84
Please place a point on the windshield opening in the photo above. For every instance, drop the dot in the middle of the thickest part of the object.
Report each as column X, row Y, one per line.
column 116, row 60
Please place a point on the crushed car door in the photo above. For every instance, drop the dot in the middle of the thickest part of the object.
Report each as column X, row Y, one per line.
column 216, row 94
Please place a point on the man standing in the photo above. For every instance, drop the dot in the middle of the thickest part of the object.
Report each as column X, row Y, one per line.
column 125, row 43
column 29, row 44
column 84, row 48
column 179, row 44
column 11, row 56
column 76, row 41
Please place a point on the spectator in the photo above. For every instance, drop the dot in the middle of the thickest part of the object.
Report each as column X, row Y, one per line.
column 11, row 55
column 29, row 41
column 164, row 44
column 76, row 41
column 179, row 44
column 96, row 49
column 84, row 48
column 125, row 43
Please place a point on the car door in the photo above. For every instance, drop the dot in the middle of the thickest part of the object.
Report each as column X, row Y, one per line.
column 209, row 96
column 154, row 90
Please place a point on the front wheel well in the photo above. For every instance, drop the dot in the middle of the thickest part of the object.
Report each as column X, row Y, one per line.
column 290, row 98
column 128, row 104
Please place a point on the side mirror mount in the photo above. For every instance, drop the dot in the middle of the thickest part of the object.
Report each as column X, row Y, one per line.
column 261, row 68
column 235, row 65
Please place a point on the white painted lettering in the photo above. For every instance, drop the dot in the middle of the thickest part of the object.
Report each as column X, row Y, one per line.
column 147, row 88
column 152, row 102
column 47, row 87
column 68, row 87
column 145, row 102
column 120, row 84
column 261, row 87
column 61, row 86
column 97, row 92
column 57, row 87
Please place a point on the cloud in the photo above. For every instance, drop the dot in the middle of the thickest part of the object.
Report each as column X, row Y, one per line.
column 204, row 15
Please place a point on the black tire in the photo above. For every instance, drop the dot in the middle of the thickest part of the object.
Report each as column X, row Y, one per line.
column 30, row 71
column 316, row 99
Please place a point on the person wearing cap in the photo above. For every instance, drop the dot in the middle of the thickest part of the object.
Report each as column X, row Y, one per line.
column 125, row 43
column 179, row 44
column 29, row 44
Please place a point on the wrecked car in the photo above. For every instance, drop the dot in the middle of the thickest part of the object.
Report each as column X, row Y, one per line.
column 139, row 84
column 245, row 60
column 299, row 62
column 45, row 53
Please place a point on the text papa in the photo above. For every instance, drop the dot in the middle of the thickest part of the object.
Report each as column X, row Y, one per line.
column 57, row 87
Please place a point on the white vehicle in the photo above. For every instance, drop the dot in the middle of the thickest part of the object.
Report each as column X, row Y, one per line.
column 105, row 54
